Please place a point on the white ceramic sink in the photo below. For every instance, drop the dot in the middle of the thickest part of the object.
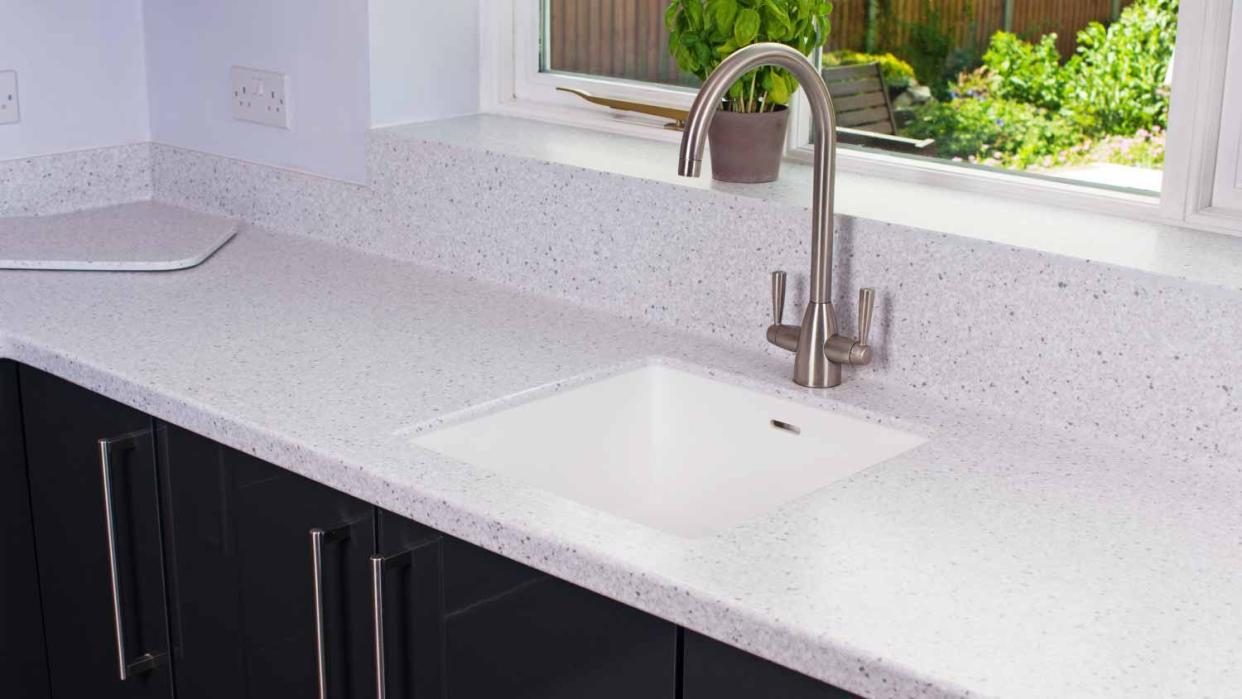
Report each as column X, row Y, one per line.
column 670, row 449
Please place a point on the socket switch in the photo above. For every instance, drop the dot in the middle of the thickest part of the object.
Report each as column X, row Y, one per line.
column 260, row 96
column 9, row 113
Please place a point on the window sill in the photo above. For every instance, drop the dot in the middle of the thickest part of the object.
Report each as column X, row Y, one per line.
column 1049, row 189
column 1143, row 245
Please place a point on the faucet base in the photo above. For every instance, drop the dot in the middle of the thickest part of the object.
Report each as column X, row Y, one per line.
column 812, row 367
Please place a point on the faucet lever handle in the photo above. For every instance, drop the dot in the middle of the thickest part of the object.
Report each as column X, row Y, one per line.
column 866, row 306
column 778, row 297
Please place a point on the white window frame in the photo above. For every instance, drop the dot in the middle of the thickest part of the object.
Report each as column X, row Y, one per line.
column 1198, row 117
column 512, row 83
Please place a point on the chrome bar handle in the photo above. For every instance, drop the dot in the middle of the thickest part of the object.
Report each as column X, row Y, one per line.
column 380, row 564
column 318, row 538
column 146, row 661
column 377, row 617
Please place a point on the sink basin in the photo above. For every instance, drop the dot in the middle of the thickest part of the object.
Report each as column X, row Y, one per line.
column 670, row 449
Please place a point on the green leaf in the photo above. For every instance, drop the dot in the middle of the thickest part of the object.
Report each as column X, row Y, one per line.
column 724, row 12
column 779, row 26
column 694, row 13
column 746, row 27
column 781, row 88
column 670, row 16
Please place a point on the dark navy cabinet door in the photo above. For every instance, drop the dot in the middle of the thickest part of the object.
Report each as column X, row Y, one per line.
column 713, row 670
column 23, row 664
column 74, row 536
column 464, row 623
column 241, row 580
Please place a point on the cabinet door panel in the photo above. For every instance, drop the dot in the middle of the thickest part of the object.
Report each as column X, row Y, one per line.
column 204, row 583
column 23, row 663
column 512, row 631
column 241, row 576
column 408, row 574
column 713, row 670
column 63, row 428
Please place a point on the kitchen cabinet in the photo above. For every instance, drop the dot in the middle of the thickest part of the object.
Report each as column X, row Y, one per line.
column 456, row 620
column 23, row 664
column 244, row 579
column 150, row 561
column 94, row 502
column 505, row 629
column 714, row 670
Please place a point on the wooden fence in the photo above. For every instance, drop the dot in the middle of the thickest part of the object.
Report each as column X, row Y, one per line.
column 627, row 39
column 972, row 22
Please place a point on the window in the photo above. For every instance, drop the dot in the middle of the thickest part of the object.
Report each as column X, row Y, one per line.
column 961, row 90
column 620, row 39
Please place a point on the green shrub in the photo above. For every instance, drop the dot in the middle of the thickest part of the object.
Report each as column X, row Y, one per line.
column 929, row 43
column 993, row 131
column 1116, row 82
column 897, row 73
column 975, row 83
column 1026, row 72
column 1024, row 108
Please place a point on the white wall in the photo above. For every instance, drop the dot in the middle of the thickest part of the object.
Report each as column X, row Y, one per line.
column 424, row 59
column 321, row 45
column 81, row 81
column 96, row 73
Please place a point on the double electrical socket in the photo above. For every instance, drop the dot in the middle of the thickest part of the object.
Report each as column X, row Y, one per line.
column 9, row 113
column 260, row 96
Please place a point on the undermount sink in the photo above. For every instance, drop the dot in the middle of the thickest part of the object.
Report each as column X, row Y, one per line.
column 670, row 449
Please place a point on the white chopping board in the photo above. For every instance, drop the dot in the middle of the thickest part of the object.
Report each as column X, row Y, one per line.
column 138, row 237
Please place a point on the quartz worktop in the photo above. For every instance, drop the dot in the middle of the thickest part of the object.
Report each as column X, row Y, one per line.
column 1001, row 558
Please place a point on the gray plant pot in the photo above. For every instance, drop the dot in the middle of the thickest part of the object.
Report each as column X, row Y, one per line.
column 747, row 147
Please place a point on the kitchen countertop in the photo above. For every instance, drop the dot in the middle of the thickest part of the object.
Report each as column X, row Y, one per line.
column 1001, row 558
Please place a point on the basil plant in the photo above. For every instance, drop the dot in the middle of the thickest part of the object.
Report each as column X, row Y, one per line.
column 702, row 33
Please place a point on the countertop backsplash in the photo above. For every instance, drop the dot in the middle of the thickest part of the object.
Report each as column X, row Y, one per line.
column 64, row 182
column 1011, row 330
column 1007, row 329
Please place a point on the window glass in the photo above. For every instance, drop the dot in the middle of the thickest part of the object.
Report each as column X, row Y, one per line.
column 623, row 39
column 1072, row 90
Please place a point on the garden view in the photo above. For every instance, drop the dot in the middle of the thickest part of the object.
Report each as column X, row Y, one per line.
column 993, row 82
column 1099, row 114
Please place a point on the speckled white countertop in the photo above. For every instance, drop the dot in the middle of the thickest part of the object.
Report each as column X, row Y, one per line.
column 999, row 559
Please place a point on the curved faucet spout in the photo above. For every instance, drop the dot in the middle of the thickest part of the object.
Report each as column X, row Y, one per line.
column 819, row 351
column 694, row 138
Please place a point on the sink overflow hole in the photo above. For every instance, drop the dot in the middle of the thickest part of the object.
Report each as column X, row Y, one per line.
column 780, row 425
